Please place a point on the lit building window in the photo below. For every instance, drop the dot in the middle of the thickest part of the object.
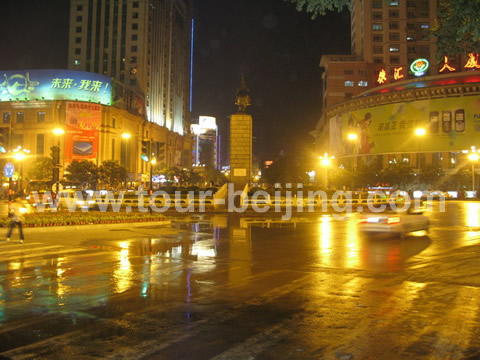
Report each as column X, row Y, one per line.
column 363, row 83
column 76, row 62
column 394, row 49
column 425, row 26
column 410, row 38
column 393, row 2
column 349, row 83
column 377, row 27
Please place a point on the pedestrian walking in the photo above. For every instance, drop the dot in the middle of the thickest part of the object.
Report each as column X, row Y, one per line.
column 16, row 212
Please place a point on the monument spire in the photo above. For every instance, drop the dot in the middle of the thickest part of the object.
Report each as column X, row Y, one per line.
column 242, row 100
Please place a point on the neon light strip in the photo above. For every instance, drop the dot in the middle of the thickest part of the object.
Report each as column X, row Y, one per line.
column 191, row 65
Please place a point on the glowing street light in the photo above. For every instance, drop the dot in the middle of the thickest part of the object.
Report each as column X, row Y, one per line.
column 352, row 137
column 326, row 161
column 126, row 136
column 420, row 132
column 58, row 131
column 19, row 156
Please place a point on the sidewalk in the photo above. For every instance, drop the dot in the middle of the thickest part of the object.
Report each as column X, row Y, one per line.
column 29, row 230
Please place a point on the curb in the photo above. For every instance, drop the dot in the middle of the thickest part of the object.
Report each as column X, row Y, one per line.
column 94, row 226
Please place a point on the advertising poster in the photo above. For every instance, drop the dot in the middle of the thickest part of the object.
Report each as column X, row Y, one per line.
column 82, row 131
column 28, row 85
column 451, row 124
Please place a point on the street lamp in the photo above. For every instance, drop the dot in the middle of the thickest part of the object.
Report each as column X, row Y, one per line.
column 326, row 161
column 473, row 157
column 352, row 137
column 152, row 162
column 420, row 132
column 19, row 156
column 56, row 159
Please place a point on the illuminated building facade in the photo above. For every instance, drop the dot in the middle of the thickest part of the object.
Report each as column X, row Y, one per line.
column 145, row 44
column 102, row 119
column 206, row 143
column 386, row 37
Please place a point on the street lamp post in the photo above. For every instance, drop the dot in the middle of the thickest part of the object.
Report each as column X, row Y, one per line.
column 125, row 137
column 56, row 170
column 152, row 163
column 473, row 157
column 419, row 133
column 326, row 161
column 19, row 157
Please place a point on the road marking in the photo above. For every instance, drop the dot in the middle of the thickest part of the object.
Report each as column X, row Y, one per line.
column 59, row 252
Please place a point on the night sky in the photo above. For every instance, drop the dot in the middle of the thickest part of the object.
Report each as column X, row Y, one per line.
column 276, row 48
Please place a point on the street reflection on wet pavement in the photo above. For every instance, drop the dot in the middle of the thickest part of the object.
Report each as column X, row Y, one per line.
column 225, row 286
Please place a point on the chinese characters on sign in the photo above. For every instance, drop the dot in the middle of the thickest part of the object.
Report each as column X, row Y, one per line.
column 382, row 77
column 472, row 62
column 85, row 85
column 446, row 66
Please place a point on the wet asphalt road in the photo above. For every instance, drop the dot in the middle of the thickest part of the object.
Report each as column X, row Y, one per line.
column 221, row 288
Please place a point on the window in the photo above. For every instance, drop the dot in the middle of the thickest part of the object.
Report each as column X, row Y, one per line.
column 410, row 38
column 78, row 51
column 133, row 59
column 41, row 116
column 78, row 40
column 394, row 59
column 377, row 16
column 424, row 14
column 425, row 26
column 410, row 26
column 79, row 18
column 79, row 7
column 377, row 27
column 133, row 48
column 411, row 4
column 348, row 72
column 113, row 149
column 393, row 2
column 411, row 49
column 362, row 72
column 378, row 38
column 393, row 13
column 378, row 60
column 349, row 83
column 135, row 26
column 135, row 15
column 134, row 37
column 411, row 14
column 377, row 4
column 78, row 29
column 7, row 117
column 394, row 36
column 394, row 48
column 135, row 5
column 114, row 123
column 40, row 144
column 20, row 117
column 76, row 62
column 378, row 49
column 393, row 25
column 363, row 83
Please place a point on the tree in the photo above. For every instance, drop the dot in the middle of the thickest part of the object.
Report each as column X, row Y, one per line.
column 457, row 27
column 286, row 169
column 85, row 172
column 41, row 169
column 365, row 175
column 398, row 174
column 112, row 174
column 320, row 7
column 431, row 175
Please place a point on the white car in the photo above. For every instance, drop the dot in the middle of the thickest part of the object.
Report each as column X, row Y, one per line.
column 398, row 223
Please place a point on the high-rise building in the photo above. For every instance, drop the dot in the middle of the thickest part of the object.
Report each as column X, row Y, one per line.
column 386, row 37
column 206, row 143
column 145, row 44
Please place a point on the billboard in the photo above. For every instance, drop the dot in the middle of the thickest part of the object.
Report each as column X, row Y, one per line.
column 28, row 85
column 82, row 129
column 451, row 124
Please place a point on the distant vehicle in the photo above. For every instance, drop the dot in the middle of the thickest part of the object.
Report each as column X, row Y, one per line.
column 392, row 222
